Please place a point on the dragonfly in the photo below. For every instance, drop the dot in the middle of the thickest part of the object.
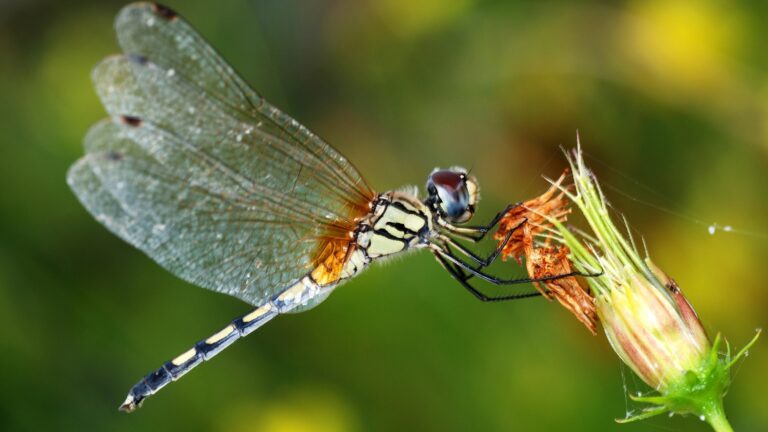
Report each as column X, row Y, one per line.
column 227, row 192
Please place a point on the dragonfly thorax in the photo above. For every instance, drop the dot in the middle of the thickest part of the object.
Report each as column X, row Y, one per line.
column 398, row 221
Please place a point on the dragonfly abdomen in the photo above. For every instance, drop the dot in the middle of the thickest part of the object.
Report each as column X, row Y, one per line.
column 202, row 351
column 296, row 296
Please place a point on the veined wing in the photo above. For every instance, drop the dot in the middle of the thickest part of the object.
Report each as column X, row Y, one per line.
column 164, row 38
column 203, row 175
column 205, row 229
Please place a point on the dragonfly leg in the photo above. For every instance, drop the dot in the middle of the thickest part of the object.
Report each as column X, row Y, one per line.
column 463, row 278
column 478, row 232
column 481, row 262
column 450, row 257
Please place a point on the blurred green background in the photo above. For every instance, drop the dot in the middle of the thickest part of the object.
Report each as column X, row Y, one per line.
column 670, row 99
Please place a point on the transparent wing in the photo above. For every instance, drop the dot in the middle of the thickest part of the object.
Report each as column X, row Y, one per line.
column 240, row 146
column 196, row 228
column 169, row 43
column 199, row 172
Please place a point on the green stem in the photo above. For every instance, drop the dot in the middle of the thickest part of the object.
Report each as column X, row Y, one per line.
column 716, row 418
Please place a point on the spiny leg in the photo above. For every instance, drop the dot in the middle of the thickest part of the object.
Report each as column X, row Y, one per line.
column 458, row 274
column 448, row 242
column 463, row 278
column 204, row 350
column 448, row 256
column 477, row 233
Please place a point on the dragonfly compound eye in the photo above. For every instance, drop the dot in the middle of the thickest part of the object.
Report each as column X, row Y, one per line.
column 454, row 192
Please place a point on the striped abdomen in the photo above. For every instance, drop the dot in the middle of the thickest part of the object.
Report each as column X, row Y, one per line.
column 295, row 296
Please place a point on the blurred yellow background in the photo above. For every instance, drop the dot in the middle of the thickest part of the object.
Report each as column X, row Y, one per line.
column 670, row 99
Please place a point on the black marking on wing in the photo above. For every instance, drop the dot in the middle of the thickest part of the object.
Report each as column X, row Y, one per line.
column 164, row 12
column 138, row 59
column 114, row 156
column 131, row 120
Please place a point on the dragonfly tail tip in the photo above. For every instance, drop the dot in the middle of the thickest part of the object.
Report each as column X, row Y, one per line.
column 130, row 404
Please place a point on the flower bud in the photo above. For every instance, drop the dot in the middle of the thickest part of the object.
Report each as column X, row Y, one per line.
column 648, row 321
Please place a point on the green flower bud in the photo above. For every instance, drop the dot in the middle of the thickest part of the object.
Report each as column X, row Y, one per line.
column 647, row 319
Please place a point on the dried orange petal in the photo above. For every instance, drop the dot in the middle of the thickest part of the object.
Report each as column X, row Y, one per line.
column 531, row 219
column 552, row 261
column 534, row 212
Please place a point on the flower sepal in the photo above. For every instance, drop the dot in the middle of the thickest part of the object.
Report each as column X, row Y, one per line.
column 698, row 392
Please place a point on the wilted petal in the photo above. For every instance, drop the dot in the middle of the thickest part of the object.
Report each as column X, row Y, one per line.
column 531, row 223
column 549, row 261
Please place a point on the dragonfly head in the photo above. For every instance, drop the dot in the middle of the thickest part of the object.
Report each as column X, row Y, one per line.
column 453, row 193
